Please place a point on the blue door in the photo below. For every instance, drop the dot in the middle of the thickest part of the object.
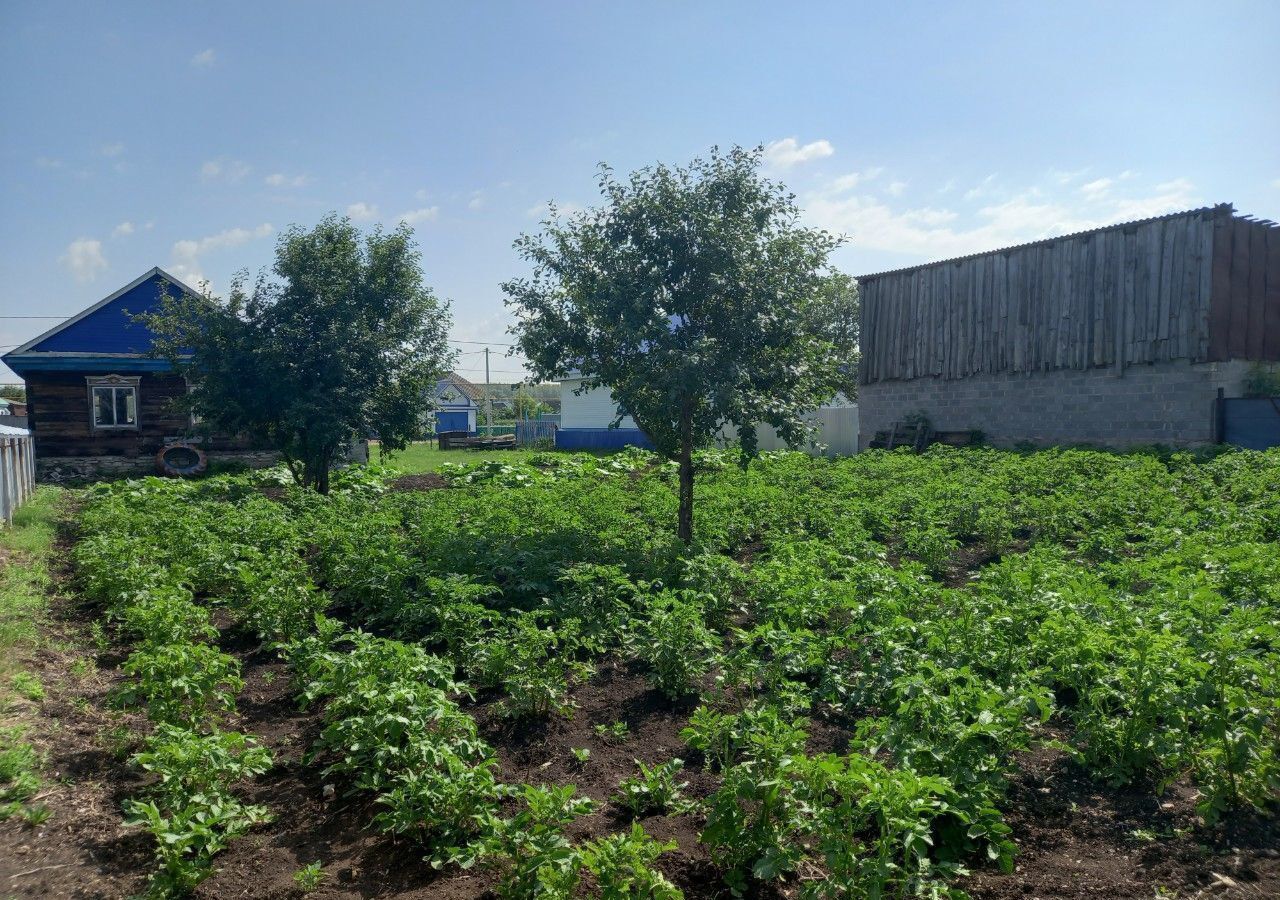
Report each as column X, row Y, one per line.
column 451, row 421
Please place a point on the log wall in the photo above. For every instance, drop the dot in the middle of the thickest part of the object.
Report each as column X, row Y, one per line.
column 62, row 424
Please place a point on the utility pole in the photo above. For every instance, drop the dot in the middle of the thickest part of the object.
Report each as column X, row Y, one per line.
column 488, row 401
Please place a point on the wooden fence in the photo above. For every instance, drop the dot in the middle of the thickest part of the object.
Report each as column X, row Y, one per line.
column 531, row 431
column 17, row 472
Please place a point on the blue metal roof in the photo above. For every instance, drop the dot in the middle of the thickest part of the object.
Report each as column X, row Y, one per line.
column 97, row 338
column 111, row 328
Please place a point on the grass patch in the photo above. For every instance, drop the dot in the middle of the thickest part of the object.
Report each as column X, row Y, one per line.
column 25, row 549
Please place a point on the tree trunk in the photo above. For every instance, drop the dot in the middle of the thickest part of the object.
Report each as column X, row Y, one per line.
column 322, row 477
column 686, row 475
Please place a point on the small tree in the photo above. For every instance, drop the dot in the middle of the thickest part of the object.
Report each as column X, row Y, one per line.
column 526, row 406
column 690, row 293
column 835, row 315
column 348, row 340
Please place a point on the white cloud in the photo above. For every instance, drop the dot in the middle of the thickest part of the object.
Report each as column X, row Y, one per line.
column 789, row 152
column 561, row 210
column 186, row 254
column 84, row 258
column 853, row 179
column 204, row 59
column 421, row 194
column 280, row 180
column 1097, row 189
column 896, row 188
column 981, row 189
column 362, row 212
column 113, row 149
column 416, row 216
column 1276, row 183
column 1066, row 176
column 1037, row 211
column 476, row 201
column 124, row 229
column 48, row 162
column 231, row 171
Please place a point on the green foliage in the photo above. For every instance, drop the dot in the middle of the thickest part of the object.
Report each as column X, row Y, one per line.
column 686, row 293
column 531, row 849
column 613, row 732
column 309, row 877
column 535, row 666
column 27, row 685
column 622, row 865
column 347, row 340
column 190, row 834
column 1262, row 381
column 654, row 790
column 1124, row 603
column 181, row 684
column 19, row 778
column 675, row 644
column 189, row 763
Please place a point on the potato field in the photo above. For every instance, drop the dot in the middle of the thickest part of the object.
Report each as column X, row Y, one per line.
column 967, row 672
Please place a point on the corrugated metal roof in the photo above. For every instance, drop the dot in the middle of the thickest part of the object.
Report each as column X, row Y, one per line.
column 10, row 430
column 1221, row 208
column 466, row 388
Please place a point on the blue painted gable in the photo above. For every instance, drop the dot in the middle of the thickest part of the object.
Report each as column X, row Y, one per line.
column 111, row 328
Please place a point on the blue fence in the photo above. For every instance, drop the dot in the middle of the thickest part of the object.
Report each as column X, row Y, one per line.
column 1252, row 423
column 601, row 438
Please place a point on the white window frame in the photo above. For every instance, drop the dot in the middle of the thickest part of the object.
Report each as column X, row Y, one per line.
column 116, row 382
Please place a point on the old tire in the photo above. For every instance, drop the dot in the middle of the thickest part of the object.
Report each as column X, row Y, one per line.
column 181, row 460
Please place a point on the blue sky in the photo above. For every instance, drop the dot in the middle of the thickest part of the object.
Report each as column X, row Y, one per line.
column 187, row 135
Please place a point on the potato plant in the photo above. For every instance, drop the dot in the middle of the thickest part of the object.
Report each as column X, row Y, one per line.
column 944, row 612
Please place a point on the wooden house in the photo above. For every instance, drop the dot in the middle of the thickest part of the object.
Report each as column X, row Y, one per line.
column 98, row 403
column 1123, row 335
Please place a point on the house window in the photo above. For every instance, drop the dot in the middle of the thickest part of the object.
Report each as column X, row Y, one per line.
column 113, row 402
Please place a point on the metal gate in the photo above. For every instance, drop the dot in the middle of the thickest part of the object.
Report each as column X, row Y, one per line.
column 1251, row 422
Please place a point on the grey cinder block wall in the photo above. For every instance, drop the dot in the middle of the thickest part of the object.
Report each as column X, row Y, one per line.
column 1117, row 336
column 1158, row 403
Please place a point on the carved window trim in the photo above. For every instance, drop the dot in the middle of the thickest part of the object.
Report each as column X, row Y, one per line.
column 117, row 385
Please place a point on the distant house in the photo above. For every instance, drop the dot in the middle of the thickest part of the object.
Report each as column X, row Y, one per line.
column 457, row 401
column 97, row 403
column 12, row 407
column 585, row 419
column 1117, row 336
column 504, row 395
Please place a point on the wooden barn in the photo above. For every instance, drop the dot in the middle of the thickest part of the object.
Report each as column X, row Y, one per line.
column 97, row 403
column 1118, row 336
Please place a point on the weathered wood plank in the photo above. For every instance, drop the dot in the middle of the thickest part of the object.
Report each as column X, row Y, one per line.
column 1257, row 287
column 1237, row 341
column 1271, row 317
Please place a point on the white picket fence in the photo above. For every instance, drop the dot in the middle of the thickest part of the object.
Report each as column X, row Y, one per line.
column 17, row 471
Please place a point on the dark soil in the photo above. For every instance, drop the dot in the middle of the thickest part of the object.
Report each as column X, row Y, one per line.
column 424, row 481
